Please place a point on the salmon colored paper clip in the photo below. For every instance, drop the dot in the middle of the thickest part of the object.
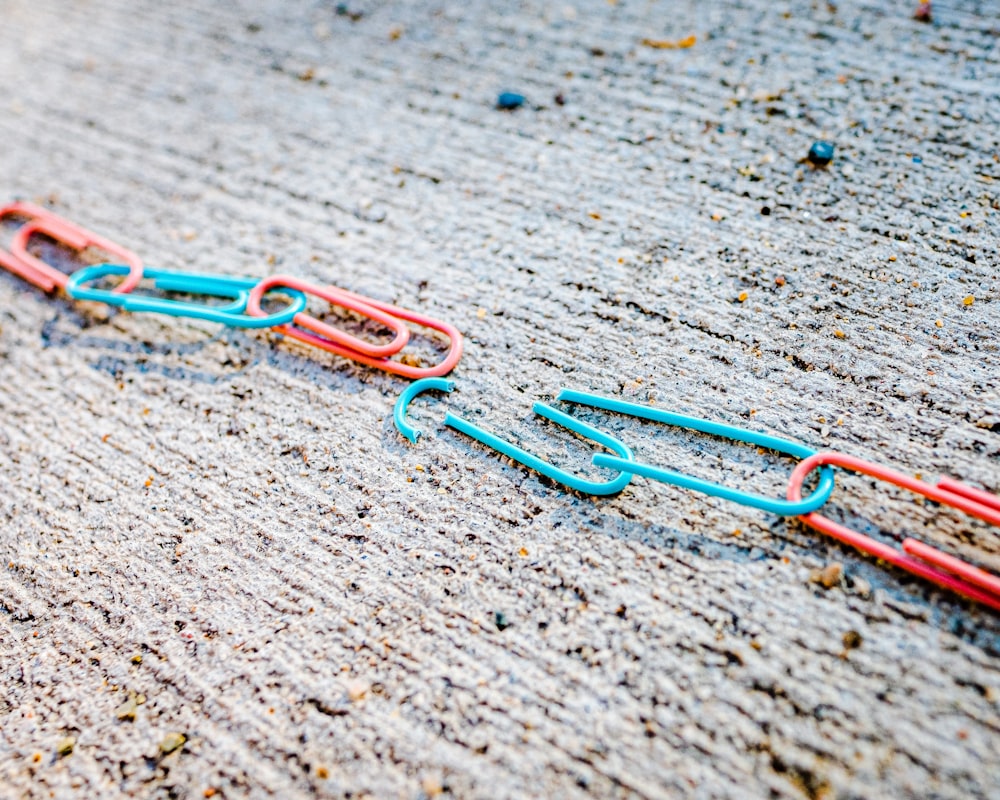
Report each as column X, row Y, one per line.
column 47, row 277
column 323, row 334
column 331, row 340
column 915, row 557
column 31, row 213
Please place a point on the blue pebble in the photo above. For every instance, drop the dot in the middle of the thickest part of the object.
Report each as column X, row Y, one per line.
column 508, row 101
column 821, row 153
column 918, row 160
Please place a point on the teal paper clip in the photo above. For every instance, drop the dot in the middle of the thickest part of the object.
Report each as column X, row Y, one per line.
column 513, row 451
column 775, row 506
column 234, row 314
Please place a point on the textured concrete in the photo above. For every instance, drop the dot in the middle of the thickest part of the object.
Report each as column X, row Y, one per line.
column 227, row 527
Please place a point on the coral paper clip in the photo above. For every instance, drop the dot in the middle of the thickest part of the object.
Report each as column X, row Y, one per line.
column 46, row 277
column 915, row 557
column 319, row 333
column 773, row 505
column 376, row 310
column 232, row 314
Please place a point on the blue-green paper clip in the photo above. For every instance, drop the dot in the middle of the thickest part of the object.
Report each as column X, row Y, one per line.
column 783, row 507
column 233, row 314
column 513, row 451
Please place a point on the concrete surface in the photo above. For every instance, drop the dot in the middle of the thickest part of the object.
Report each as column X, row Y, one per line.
column 227, row 527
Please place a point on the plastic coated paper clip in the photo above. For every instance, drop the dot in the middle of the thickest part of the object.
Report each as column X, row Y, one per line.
column 329, row 339
column 513, row 451
column 773, row 505
column 48, row 278
column 214, row 285
column 915, row 557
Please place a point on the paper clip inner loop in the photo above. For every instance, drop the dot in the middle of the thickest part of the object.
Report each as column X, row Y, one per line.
column 785, row 446
column 916, row 557
column 167, row 281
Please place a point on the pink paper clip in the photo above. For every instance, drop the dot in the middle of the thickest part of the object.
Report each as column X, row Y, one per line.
column 370, row 308
column 915, row 557
column 46, row 277
column 323, row 334
column 31, row 213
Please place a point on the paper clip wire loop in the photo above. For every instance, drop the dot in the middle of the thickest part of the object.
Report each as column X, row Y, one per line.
column 406, row 397
column 371, row 305
column 214, row 285
column 773, row 505
column 322, row 334
column 917, row 558
column 47, row 277
column 524, row 457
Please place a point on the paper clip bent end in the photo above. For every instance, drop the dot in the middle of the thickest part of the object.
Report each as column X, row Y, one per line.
column 543, row 467
column 406, row 397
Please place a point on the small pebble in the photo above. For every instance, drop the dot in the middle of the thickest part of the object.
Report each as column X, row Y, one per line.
column 126, row 711
column 821, row 153
column 432, row 785
column 923, row 13
column 501, row 620
column 968, row 301
column 65, row 746
column 356, row 690
column 852, row 640
column 829, row 576
column 766, row 211
column 508, row 101
column 171, row 742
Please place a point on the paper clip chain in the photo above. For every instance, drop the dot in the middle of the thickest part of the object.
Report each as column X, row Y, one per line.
column 915, row 557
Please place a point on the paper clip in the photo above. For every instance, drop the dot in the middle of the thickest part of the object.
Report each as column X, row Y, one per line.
column 166, row 281
column 47, row 277
column 32, row 213
column 772, row 505
column 915, row 557
column 513, row 451
column 323, row 334
column 370, row 308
